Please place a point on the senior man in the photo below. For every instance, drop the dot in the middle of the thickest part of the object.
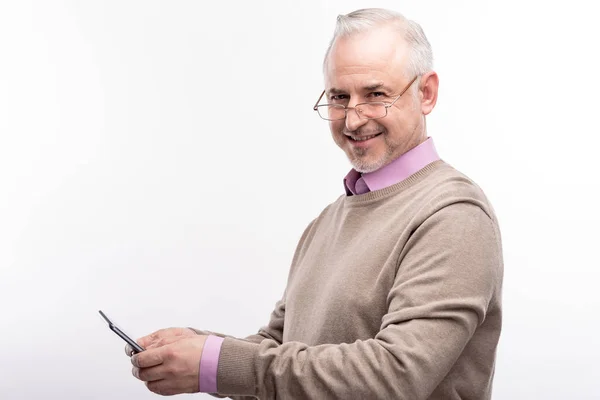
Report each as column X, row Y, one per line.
column 394, row 291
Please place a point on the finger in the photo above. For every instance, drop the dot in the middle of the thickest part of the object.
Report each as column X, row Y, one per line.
column 151, row 374
column 129, row 350
column 149, row 358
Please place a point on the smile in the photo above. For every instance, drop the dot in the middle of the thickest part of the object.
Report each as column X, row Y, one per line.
column 363, row 138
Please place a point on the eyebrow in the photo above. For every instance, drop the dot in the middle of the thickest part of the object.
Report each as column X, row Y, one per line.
column 368, row 88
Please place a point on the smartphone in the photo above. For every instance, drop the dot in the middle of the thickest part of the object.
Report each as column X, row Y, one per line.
column 136, row 347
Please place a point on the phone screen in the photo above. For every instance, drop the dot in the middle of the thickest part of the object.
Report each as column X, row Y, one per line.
column 136, row 347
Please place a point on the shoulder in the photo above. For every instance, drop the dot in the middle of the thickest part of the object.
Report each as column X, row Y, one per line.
column 446, row 186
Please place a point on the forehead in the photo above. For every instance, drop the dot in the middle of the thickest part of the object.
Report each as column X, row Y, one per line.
column 363, row 58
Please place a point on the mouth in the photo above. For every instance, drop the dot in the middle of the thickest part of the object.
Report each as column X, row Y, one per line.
column 362, row 139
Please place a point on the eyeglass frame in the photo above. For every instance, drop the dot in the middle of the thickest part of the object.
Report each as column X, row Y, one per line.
column 345, row 108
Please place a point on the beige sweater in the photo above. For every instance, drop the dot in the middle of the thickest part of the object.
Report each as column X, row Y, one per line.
column 393, row 294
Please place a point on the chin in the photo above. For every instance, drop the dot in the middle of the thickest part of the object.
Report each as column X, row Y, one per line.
column 364, row 166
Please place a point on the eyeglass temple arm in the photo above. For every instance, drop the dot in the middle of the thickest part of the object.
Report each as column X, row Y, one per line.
column 404, row 91
column 317, row 103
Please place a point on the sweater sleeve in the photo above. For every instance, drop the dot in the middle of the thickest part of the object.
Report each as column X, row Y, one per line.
column 273, row 330
column 448, row 272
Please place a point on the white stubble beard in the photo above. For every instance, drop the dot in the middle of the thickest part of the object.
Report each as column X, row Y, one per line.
column 361, row 165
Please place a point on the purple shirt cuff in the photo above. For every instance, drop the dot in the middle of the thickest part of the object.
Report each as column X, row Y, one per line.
column 209, row 363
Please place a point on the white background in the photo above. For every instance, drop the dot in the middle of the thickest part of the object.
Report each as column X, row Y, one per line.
column 159, row 160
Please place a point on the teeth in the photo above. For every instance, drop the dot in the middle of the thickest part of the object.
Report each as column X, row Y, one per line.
column 362, row 139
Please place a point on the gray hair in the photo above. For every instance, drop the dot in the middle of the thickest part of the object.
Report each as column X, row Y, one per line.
column 420, row 59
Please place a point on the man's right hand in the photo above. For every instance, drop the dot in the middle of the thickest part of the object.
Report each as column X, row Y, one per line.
column 160, row 338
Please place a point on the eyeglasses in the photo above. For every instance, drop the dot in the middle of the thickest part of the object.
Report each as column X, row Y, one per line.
column 369, row 110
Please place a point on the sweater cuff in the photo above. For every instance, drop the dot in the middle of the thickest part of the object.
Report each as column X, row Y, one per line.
column 236, row 373
column 208, row 364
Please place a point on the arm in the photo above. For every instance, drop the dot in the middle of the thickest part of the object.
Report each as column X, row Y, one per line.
column 440, row 296
column 272, row 331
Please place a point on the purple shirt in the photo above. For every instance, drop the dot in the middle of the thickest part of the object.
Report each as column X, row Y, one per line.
column 209, row 361
column 354, row 183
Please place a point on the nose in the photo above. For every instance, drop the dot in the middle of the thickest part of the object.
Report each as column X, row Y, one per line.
column 353, row 122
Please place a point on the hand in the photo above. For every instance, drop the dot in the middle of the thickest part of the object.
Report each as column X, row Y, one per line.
column 171, row 365
column 158, row 338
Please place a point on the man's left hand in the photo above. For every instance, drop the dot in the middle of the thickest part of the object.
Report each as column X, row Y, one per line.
column 171, row 368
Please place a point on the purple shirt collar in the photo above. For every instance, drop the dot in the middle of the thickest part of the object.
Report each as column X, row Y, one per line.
column 396, row 171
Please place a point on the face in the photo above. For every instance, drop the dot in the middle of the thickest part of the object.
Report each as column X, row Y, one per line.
column 370, row 67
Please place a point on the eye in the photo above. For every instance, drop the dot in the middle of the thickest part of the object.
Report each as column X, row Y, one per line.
column 338, row 97
column 377, row 94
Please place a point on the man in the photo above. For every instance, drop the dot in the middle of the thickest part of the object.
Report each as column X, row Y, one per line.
column 394, row 291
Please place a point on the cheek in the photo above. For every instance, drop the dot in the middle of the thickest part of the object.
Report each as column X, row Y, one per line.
column 336, row 127
column 399, row 125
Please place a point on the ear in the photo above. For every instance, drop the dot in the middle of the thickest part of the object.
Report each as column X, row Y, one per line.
column 429, row 91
